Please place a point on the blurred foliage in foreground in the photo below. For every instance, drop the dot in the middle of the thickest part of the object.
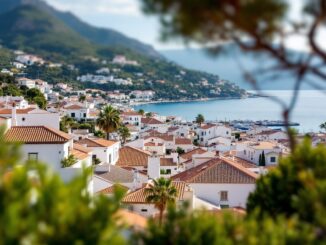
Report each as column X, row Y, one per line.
column 36, row 207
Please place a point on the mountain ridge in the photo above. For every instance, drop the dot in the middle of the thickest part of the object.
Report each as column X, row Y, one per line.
column 97, row 35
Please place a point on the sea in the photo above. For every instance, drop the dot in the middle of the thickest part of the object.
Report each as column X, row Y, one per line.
column 309, row 110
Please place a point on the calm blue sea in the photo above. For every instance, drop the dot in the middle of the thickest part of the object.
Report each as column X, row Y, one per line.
column 310, row 110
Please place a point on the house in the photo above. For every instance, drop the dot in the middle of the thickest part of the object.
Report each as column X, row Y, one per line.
column 145, row 95
column 148, row 123
column 29, row 83
column 195, row 157
column 271, row 135
column 50, row 146
column 184, row 144
column 220, row 182
column 136, row 201
column 107, row 175
column 253, row 151
column 106, row 151
column 13, row 101
column 32, row 117
column 77, row 111
column 133, row 157
column 208, row 133
column 131, row 118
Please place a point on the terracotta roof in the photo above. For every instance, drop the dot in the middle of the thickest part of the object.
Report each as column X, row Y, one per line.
column 183, row 141
column 153, row 144
column 146, row 120
column 207, row 126
column 242, row 162
column 74, row 107
column 130, row 113
column 167, row 162
column 18, row 111
column 36, row 135
column 188, row 155
column 131, row 219
column 96, row 142
column 129, row 156
column 139, row 196
column 164, row 137
column 217, row 171
column 111, row 189
column 80, row 152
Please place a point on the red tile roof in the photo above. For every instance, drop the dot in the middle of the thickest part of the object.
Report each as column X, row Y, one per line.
column 217, row 171
column 146, row 120
column 96, row 142
column 18, row 111
column 130, row 156
column 183, row 141
column 36, row 135
column 74, row 107
column 188, row 155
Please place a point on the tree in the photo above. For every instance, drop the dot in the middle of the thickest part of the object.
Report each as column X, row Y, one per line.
column 161, row 193
column 295, row 188
column 30, row 210
column 180, row 150
column 68, row 161
column 323, row 126
column 262, row 159
column 124, row 133
column 82, row 98
column 200, row 119
column 34, row 95
column 141, row 112
column 149, row 114
column 108, row 120
column 268, row 33
column 66, row 123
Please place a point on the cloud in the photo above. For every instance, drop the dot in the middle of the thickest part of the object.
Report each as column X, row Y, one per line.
column 117, row 7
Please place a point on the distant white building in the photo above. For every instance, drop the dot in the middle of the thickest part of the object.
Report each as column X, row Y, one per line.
column 208, row 133
column 28, row 59
column 253, row 151
column 122, row 60
column 77, row 111
column 142, row 95
column 26, row 82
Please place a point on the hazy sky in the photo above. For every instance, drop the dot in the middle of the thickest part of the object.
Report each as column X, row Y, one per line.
column 126, row 16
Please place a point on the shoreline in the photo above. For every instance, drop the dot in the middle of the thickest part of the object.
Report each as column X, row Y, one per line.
column 190, row 100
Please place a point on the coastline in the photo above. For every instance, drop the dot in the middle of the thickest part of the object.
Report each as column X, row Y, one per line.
column 190, row 100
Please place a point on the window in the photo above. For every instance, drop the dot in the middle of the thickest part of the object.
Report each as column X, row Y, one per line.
column 94, row 157
column 223, row 196
column 244, row 152
column 33, row 156
column 110, row 158
column 23, row 119
column 143, row 210
column 84, row 115
column 273, row 159
column 73, row 114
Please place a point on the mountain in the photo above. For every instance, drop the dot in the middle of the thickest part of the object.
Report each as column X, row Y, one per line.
column 101, row 36
column 29, row 28
column 226, row 65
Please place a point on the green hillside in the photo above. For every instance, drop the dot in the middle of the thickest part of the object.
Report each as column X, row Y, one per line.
column 35, row 31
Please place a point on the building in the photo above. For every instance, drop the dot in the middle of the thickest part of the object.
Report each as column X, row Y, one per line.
column 253, row 151
column 106, row 151
column 77, row 111
column 133, row 157
column 220, row 182
column 131, row 117
column 207, row 134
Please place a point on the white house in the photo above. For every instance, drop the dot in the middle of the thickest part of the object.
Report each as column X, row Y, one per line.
column 13, row 101
column 131, row 117
column 148, row 123
column 271, row 135
column 26, row 82
column 32, row 117
column 136, row 200
column 49, row 146
column 253, row 151
column 106, row 151
column 220, row 182
column 206, row 133
column 77, row 111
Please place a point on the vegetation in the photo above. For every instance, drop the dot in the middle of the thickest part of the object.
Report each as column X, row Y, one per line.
column 34, row 95
column 108, row 120
column 141, row 112
column 40, row 208
column 200, row 119
column 323, row 126
column 124, row 133
column 66, row 123
column 68, row 161
column 161, row 193
column 180, row 150
column 262, row 159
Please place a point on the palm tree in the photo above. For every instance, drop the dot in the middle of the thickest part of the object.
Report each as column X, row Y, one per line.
column 323, row 126
column 65, row 123
column 200, row 119
column 108, row 120
column 124, row 133
column 141, row 112
column 161, row 193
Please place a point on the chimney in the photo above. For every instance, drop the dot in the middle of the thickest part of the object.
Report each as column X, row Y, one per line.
column 136, row 182
column 13, row 115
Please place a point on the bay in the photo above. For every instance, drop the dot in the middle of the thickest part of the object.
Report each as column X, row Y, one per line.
column 310, row 109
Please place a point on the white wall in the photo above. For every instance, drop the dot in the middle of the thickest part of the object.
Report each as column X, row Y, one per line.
column 237, row 193
column 137, row 207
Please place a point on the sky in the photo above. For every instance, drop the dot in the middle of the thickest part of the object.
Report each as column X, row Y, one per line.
column 126, row 16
